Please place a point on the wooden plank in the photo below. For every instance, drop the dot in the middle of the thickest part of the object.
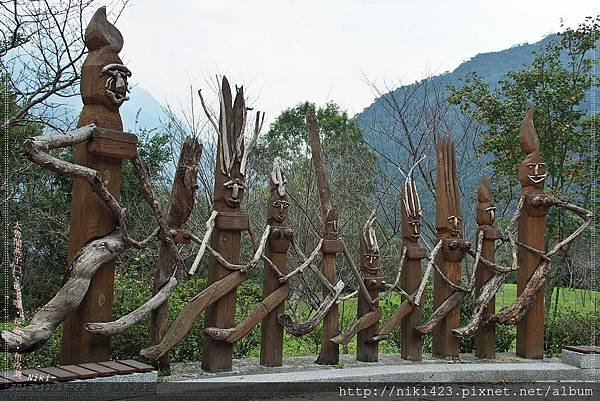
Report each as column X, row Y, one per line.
column 138, row 366
column 60, row 374
column 81, row 372
column 100, row 369
column 584, row 349
column 112, row 145
column 39, row 376
column 120, row 368
column 232, row 221
column 10, row 375
column 332, row 246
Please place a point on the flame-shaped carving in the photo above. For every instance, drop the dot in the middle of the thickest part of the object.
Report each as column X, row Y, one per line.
column 532, row 171
column 486, row 211
column 448, row 218
column 100, row 33
column 411, row 208
column 278, row 204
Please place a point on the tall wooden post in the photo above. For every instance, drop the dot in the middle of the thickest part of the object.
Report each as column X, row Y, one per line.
column 271, row 340
column 330, row 351
column 366, row 350
column 411, row 272
column 448, row 225
column 181, row 204
column 485, row 336
column 532, row 173
column 103, row 90
column 228, row 193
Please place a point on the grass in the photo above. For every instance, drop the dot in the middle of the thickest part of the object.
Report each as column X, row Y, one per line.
column 574, row 299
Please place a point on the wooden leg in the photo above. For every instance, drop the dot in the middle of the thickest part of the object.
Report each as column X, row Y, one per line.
column 367, row 351
column 217, row 356
column 271, row 338
column 485, row 336
column 530, row 330
column 330, row 352
column 411, row 340
column 445, row 344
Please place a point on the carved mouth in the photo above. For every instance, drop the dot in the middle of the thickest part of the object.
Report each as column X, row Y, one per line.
column 280, row 217
column 117, row 97
column 536, row 179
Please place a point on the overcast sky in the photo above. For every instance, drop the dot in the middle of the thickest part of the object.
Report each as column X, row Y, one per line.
column 287, row 51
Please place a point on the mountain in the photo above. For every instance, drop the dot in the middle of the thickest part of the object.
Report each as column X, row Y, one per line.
column 141, row 111
column 388, row 136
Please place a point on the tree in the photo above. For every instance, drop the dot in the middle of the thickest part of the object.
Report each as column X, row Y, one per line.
column 41, row 52
column 555, row 84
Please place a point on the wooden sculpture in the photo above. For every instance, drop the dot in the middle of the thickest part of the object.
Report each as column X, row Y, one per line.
column 532, row 174
column 527, row 311
column 370, row 284
column 408, row 282
column 228, row 195
column 485, row 337
column 223, row 229
column 330, row 352
column 275, row 292
column 447, row 290
column 103, row 91
column 411, row 274
column 271, row 339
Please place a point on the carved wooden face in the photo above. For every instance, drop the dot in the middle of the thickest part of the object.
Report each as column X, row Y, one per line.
column 103, row 75
column 486, row 214
column 235, row 192
column 278, row 209
column 455, row 224
column 532, row 172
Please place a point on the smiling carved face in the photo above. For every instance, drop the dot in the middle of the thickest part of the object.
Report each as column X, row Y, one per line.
column 532, row 172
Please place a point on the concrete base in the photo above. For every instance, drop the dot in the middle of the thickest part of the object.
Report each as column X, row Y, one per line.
column 390, row 368
column 581, row 360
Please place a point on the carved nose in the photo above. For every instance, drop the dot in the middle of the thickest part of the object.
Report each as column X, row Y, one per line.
column 120, row 84
column 235, row 191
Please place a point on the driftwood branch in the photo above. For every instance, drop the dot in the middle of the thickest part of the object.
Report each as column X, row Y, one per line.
column 519, row 308
column 300, row 329
column 126, row 321
column 307, row 261
column 361, row 284
column 365, row 321
column 428, row 270
column 210, row 225
column 164, row 234
column 187, row 316
column 396, row 284
column 442, row 311
column 406, row 307
column 85, row 264
column 260, row 311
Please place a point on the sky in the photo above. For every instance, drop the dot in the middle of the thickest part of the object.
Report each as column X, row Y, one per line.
column 288, row 51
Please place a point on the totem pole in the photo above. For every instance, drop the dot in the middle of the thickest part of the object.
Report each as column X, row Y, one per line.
column 368, row 351
column 230, row 221
column 103, row 90
column 485, row 336
column 411, row 273
column 330, row 351
column 532, row 173
column 271, row 341
column 453, row 250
